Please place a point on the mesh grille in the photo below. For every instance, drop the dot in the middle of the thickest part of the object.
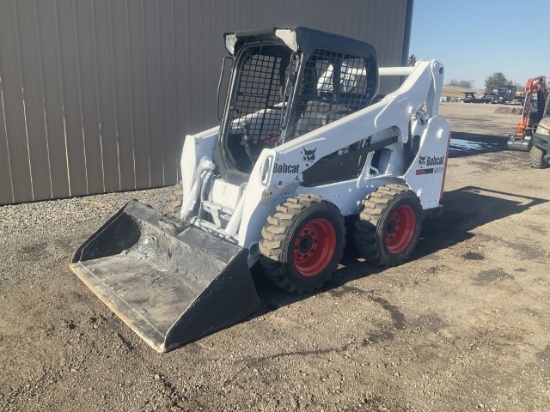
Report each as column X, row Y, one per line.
column 258, row 101
column 331, row 84
column 334, row 86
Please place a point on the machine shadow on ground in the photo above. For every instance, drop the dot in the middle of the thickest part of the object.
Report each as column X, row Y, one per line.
column 464, row 210
column 470, row 144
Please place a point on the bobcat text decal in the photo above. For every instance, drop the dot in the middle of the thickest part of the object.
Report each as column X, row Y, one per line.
column 284, row 168
column 430, row 161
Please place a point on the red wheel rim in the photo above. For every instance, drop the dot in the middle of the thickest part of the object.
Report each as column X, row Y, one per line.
column 314, row 247
column 400, row 229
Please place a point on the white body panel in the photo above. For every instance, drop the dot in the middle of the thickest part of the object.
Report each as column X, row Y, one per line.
column 278, row 174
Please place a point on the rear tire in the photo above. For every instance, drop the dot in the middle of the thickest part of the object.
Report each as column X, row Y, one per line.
column 389, row 226
column 176, row 200
column 536, row 158
column 302, row 243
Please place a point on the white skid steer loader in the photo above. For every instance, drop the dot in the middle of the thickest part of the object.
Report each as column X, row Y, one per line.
column 304, row 142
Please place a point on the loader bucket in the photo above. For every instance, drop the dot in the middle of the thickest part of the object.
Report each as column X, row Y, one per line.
column 519, row 143
column 169, row 281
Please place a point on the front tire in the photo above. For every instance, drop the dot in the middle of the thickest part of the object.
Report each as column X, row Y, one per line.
column 302, row 243
column 536, row 158
column 389, row 226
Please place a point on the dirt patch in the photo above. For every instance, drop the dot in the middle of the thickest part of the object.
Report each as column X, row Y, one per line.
column 509, row 110
column 463, row 326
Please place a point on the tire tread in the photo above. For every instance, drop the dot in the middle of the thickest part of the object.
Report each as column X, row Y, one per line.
column 274, row 235
column 366, row 228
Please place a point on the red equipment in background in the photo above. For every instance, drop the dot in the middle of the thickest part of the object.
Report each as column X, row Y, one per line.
column 536, row 93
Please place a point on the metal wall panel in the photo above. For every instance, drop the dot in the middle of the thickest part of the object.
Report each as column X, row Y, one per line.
column 97, row 95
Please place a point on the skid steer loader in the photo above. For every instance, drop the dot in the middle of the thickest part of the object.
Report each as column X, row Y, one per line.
column 304, row 141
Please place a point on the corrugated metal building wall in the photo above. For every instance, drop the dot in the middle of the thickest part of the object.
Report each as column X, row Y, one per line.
column 97, row 95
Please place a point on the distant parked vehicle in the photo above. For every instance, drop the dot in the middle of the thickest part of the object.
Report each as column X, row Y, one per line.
column 470, row 97
column 505, row 94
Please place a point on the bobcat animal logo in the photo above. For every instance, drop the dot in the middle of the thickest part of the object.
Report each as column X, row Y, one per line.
column 422, row 160
column 309, row 155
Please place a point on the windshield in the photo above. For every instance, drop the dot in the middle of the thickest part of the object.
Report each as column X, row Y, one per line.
column 277, row 95
column 258, row 102
column 259, row 94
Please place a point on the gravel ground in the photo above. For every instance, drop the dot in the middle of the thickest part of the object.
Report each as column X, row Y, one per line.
column 463, row 326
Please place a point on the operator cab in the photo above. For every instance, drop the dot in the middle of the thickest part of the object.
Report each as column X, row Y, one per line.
column 285, row 83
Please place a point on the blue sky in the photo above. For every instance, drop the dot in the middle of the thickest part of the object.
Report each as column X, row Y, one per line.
column 476, row 38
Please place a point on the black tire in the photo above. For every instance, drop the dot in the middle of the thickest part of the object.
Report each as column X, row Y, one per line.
column 302, row 243
column 536, row 158
column 176, row 200
column 389, row 225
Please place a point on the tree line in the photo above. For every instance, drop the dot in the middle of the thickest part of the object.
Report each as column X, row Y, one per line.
column 491, row 83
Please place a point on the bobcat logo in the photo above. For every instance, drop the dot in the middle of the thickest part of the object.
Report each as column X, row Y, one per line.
column 309, row 155
column 422, row 160
column 431, row 160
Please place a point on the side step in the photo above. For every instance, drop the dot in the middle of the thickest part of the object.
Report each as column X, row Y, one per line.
column 171, row 283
